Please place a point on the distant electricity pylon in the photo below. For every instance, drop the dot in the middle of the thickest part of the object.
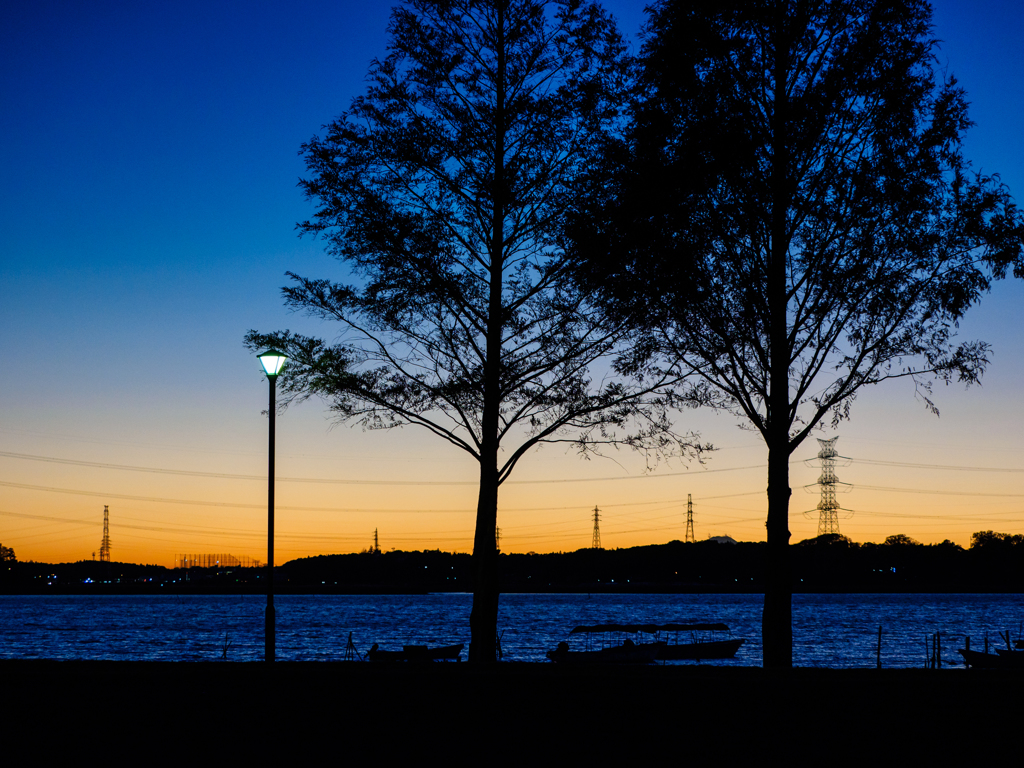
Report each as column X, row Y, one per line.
column 597, row 529
column 828, row 521
column 689, row 519
column 497, row 538
column 105, row 544
column 376, row 542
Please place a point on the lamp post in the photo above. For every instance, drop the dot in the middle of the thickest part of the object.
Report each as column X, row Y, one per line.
column 272, row 362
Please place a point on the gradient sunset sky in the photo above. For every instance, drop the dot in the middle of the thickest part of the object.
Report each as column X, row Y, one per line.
column 149, row 161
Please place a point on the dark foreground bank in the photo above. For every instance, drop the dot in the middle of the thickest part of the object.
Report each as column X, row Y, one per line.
column 221, row 713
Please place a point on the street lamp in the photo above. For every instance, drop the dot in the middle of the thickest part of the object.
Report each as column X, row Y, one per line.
column 272, row 362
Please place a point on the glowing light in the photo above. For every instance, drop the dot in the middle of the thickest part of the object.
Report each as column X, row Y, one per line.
column 273, row 361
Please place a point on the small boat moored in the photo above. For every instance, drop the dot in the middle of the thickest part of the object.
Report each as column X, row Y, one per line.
column 980, row 659
column 1010, row 657
column 626, row 652
column 417, row 653
column 702, row 643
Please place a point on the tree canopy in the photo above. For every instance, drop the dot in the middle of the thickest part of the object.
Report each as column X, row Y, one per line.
column 793, row 219
column 444, row 191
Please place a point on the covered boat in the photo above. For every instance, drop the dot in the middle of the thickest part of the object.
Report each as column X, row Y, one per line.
column 698, row 643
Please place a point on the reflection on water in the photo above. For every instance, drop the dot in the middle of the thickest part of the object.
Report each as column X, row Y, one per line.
column 828, row 630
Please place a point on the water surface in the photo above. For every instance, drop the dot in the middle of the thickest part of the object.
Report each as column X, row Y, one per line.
column 828, row 630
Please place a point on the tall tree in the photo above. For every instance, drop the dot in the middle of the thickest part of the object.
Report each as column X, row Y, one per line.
column 794, row 220
column 444, row 189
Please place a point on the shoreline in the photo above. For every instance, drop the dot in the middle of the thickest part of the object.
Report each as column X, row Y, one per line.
column 640, row 590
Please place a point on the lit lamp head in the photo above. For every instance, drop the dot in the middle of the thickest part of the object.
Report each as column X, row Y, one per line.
column 272, row 362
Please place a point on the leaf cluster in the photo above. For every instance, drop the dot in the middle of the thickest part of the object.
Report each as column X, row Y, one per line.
column 443, row 190
column 823, row 131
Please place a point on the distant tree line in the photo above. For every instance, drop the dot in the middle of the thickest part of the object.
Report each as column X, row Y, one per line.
column 7, row 561
column 994, row 562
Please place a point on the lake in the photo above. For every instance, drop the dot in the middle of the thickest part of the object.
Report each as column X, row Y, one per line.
column 828, row 630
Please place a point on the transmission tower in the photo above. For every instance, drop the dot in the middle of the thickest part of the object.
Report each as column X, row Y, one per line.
column 828, row 521
column 497, row 538
column 597, row 528
column 105, row 544
column 689, row 519
column 376, row 542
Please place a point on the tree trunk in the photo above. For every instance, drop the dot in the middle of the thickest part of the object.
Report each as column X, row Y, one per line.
column 483, row 620
column 777, row 619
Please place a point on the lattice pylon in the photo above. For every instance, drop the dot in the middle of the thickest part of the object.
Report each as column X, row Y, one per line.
column 828, row 520
column 597, row 528
column 689, row 519
column 105, row 544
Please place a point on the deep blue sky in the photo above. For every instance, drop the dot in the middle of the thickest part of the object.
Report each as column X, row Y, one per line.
column 148, row 169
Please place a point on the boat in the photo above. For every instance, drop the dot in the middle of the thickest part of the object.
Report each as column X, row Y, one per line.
column 626, row 652
column 417, row 653
column 980, row 659
column 1010, row 657
column 702, row 643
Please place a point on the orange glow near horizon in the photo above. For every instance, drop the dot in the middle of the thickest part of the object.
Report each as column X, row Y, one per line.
column 336, row 486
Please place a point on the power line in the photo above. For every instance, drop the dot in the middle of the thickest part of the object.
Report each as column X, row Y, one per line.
column 332, row 481
column 936, row 492
column 235, row 533
column 911, row 465
column 235, row 505
column 688, row 473
column 230, row 504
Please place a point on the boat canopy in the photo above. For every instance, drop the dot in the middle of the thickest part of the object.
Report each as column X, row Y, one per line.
column 650, row 628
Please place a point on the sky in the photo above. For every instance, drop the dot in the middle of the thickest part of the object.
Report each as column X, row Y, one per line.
column 148, row 202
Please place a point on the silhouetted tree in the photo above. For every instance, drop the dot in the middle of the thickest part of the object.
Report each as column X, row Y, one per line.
column 995, row 541
column 793, row 220
column 829, row 540
column 901, row 540
column 443, row 190
column 7, row 561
